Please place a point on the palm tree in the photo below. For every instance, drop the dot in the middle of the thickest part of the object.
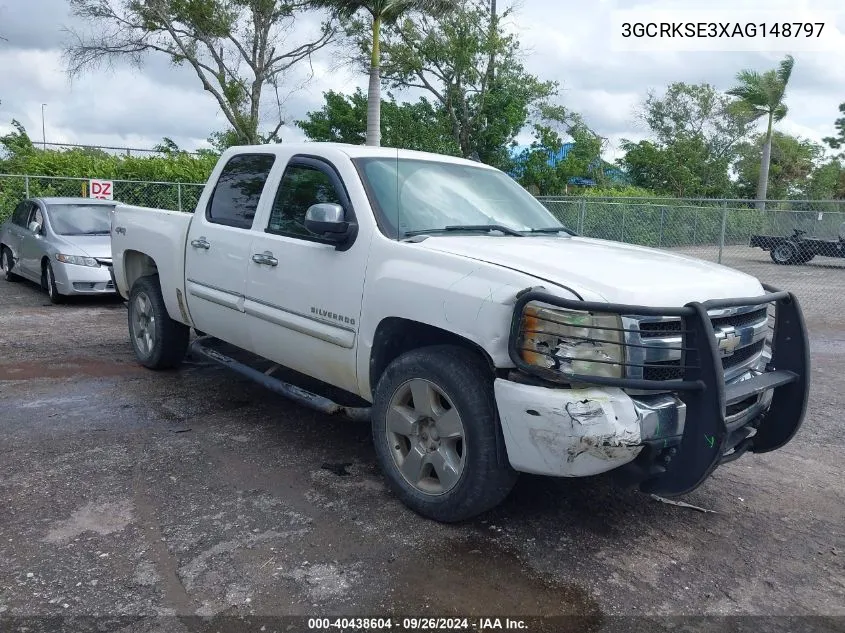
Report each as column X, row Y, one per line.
column 382, row 12
column 763, row 95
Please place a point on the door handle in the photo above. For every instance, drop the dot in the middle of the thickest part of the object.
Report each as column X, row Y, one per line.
column 201, row 243
column 265, row 259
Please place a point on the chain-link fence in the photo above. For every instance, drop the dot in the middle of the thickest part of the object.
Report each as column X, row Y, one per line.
column 796, row 245
column 164, row 195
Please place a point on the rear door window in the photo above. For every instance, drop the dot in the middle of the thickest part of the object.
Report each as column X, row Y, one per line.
column 238, row 190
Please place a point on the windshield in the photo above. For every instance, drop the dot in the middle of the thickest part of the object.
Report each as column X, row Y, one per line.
column 80, row 219
column 421, row 196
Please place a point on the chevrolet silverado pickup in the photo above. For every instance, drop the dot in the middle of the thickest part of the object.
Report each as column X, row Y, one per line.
column 436, row 298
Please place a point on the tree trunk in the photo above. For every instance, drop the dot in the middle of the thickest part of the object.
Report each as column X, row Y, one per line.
column 374, row 92
column 763, row 184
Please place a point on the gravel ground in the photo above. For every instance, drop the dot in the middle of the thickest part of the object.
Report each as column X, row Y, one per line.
column 126, row 492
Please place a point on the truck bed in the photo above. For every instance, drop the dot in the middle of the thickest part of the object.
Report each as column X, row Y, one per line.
column 161, row 235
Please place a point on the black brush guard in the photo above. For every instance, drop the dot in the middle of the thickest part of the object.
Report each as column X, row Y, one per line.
column 708, row 440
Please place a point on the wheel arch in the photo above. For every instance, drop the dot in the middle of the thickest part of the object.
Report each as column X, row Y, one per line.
column 395, row 336
column 136, row 265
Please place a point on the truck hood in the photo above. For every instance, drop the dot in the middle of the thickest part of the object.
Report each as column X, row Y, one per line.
column 604, row 270
column 91, row 245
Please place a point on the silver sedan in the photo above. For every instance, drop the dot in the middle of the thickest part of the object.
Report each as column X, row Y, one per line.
column 60, row 243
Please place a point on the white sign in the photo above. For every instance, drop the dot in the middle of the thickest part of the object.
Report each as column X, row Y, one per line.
column 101, row 189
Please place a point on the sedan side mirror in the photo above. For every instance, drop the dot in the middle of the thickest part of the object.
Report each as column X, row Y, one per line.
column 35, row 227
column 328, row 221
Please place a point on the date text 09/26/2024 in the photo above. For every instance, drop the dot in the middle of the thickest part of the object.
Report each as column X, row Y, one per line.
column 417, row 624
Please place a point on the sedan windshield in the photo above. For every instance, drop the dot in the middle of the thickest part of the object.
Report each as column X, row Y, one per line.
column 420, row 196
column 80, row 219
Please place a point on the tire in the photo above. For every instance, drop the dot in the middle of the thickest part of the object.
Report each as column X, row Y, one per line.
column 7, row 265
column 470, row 478
column 48, row 281
column 158, row 341
column 785, row 254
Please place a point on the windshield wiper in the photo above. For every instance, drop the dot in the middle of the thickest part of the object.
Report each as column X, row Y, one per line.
column 552, row 229
column 470, row 228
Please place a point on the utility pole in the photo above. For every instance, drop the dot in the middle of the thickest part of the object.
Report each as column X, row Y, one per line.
column 43, row 128
column 494, row 33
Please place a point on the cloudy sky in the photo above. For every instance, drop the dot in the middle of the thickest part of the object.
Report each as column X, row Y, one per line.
column 566, row 40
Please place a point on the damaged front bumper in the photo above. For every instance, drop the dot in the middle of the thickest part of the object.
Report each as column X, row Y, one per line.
column 666, row 435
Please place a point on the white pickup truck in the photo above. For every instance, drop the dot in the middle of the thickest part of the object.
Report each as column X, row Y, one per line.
column 480, row 336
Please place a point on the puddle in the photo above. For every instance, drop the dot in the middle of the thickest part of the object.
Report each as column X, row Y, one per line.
column 475, row 577
column 66, row 369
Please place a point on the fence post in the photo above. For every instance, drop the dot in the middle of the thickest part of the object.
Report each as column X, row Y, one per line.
column 695, row 226
column 623, row 223
column 724, row 224
column 662, row 220
column 581, row 215
column 26, row 185
column 179, row 196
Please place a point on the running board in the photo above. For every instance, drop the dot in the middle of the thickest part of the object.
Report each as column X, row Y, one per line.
column 297, row 394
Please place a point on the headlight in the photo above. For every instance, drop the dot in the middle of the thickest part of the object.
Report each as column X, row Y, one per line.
column 78, row 260
column 572, row 342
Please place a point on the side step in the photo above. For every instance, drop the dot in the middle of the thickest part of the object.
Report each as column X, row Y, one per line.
column 297, row 394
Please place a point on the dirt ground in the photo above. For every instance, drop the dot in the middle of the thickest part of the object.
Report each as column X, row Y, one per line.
column 126, row 492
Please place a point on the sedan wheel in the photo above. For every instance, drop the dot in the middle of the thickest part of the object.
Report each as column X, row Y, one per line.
column 426, row 434
column 6, row 263
column 50, row 281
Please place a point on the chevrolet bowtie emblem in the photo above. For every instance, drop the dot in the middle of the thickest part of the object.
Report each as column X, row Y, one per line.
column 727, row 341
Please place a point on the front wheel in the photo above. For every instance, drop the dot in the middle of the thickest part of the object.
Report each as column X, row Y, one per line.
column 49, row 281
column 435, row 432
column 159, row 342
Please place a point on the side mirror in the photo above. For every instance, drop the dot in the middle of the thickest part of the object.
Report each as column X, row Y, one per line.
column 35, row 227
column 328, row 221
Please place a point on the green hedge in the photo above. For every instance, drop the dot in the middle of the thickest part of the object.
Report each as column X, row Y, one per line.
column 19, row 156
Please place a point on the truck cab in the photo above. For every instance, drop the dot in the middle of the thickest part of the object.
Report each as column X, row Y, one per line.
column 480, row 336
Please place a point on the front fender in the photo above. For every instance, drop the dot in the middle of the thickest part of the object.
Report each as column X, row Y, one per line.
column 468, row 298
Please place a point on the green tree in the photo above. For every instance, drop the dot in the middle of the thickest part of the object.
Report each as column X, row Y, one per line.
column 827, row 181
column 695, row 131
column 471, row 67
column 696, row 110
column 343, row 119
column 793, row 162
column 381, row 13
column 238, row 49
column 838, row 141
column 762, row 95
column 538, row 168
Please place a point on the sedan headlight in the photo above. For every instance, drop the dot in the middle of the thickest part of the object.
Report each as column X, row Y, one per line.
column 78, row 260
column 572, row 342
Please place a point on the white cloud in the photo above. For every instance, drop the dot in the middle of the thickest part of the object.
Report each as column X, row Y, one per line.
column 564, row 40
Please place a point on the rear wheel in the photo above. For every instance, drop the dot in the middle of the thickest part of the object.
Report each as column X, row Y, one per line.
column 159, row 342
column 785, row 254
column 435, row 432
column 7, row 264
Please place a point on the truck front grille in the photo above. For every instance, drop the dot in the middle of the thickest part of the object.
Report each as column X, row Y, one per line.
column 654, row 344
column 672, row 370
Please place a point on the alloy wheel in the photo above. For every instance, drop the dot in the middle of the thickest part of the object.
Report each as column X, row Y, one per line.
column 426, row 437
